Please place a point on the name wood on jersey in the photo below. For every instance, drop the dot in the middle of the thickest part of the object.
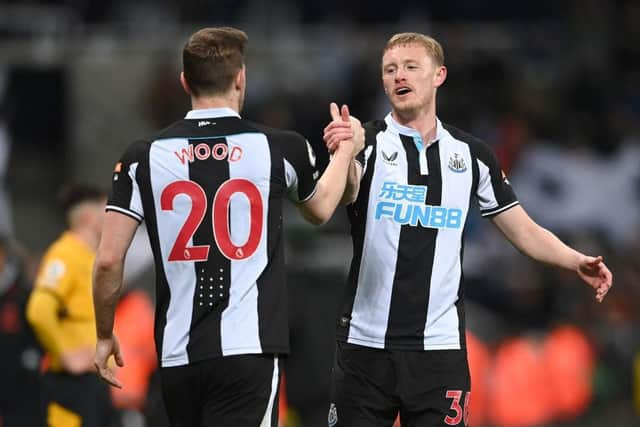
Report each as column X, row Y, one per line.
column 202, row 151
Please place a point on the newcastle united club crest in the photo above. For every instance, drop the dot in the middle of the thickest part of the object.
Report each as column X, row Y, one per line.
column 456, row 163
column 333, row 415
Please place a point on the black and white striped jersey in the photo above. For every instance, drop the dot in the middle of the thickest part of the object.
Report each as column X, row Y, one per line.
column 210, row 189
column 404, row 288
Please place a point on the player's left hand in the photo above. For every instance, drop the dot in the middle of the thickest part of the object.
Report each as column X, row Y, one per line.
column 106, row 347
column 343, row 127
column 596, row 274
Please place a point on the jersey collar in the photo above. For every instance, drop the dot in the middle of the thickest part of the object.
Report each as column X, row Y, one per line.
column 211, row 113
column 397, row 128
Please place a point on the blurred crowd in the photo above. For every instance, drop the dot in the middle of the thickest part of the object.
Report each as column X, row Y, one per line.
column 554, row 87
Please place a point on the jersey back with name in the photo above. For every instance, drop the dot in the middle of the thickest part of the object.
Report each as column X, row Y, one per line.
column 210, row 189
column 404, row 288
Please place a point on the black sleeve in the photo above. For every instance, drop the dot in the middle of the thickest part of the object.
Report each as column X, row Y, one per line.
column 494, row 192
column 300, row 167
column 361, row 157
column 125, row 192
column 371, row 130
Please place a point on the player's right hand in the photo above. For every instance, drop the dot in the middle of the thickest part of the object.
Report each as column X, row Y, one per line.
column 596, row 274
column 344, row 129
column 106, row 347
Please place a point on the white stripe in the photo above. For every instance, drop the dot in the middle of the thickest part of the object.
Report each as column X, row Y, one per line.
column 291, row 179
column 367, row 155
column 424, row 165
column 124, row 211
column 136, row 202
column 372, row 302
column 239, row 327
column 504, row 208
column 442, row 324
column 275, row 380
column 486, row 196
column 165, row 168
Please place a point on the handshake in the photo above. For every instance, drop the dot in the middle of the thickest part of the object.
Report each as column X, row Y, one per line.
column 345, row 132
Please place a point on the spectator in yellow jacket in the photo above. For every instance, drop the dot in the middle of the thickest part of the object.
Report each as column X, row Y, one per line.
column 60, row 309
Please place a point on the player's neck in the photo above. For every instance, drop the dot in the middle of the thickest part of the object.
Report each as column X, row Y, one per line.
column 203, row 103
column 86, row 236
column 424, row 121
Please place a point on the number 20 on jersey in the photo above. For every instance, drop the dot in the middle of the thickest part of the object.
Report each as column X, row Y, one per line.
column 180, row 250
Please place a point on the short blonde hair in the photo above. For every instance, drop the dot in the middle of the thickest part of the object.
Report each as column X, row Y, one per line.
column 433, row 47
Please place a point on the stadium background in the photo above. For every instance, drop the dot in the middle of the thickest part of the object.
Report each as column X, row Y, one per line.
column 553, row 86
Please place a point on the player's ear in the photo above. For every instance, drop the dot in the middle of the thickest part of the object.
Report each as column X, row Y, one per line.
column 440, row 76
column 185, row 85
column 241, row 78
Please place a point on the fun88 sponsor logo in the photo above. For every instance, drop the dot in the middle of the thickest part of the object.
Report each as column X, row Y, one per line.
column 405, row 204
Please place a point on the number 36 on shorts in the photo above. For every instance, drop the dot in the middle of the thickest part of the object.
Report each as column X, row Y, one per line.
column 457, row 413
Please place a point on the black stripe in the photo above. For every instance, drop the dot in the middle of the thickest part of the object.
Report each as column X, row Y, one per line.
column 357, row 213
column 121, row 185
column 475, row 176
column 204, row 334
column 163, row 292
column 416, row 247
column 460, row 302
column 273, row 318
column 475, row 179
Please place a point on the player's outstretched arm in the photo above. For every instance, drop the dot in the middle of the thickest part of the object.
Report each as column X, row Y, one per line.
column 331, row 185
column 338, row 130
column 542, row 245
column 117, row 232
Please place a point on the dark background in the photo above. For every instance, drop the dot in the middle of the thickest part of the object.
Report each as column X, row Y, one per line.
column 553, row 86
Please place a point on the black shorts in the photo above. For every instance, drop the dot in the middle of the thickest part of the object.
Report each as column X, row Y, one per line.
column 233, row 391
column 370, row 387
column 21, row 399
column 77, row 400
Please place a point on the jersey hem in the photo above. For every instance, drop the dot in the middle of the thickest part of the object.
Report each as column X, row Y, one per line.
column 386, row 346
column 184, row 360
column 360, row 341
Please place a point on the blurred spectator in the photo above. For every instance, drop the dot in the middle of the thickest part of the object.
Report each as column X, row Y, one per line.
column 518, row 391
column 60, row 309
column 563, row 188
column 6, row 227
column 569, row 367
column 21, row 399
column 479, row 363
column 134, row 328
column 532, row 380
column 636, row 383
